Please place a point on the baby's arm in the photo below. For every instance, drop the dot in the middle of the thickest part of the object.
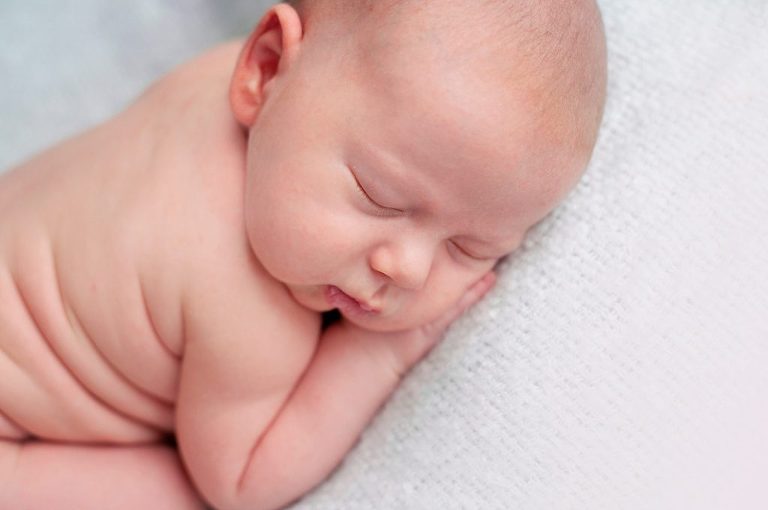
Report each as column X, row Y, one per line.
column 350, row 376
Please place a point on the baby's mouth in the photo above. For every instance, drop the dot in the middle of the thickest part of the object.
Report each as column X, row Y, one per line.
column 346, row 303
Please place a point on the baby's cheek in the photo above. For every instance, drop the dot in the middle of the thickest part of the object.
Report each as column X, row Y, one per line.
column 269, row 239
column 297, row 241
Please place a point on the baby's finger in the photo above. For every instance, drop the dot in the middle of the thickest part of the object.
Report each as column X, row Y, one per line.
column 476, row 292
column 470, row 297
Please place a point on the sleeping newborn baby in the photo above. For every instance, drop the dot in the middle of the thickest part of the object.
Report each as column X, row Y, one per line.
column 163, row 275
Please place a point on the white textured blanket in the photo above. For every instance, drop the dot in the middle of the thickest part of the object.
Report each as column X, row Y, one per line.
column 622, row 360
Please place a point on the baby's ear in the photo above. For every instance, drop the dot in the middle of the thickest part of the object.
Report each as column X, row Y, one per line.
column 268, row 53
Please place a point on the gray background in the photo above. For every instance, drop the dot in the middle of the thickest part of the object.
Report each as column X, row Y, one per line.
column 65, row 65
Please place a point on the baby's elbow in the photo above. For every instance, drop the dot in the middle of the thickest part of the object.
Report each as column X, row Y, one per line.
column 217, row 491
column 229, row 501
column 223, row 493
column 218, row 487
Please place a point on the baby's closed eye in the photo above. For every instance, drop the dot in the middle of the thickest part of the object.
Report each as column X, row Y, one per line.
column 467, row 254
column 382, row 210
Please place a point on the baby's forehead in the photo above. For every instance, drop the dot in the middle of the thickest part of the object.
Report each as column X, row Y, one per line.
column 463, row 130
column 459, row 121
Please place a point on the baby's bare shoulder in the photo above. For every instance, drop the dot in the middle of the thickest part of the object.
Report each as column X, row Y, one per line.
column 248, row 324
column 210, row 69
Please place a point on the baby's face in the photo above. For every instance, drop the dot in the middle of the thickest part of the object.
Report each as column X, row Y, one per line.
column 400, row 182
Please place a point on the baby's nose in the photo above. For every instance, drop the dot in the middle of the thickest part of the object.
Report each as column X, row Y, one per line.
column 407, row 264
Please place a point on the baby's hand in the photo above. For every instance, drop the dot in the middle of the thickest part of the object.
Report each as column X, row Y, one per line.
column 402, row 349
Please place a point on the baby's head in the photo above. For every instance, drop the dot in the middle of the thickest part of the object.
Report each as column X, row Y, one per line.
column 398, row 148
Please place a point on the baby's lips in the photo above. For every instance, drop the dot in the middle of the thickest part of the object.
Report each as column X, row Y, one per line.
column 339, row 299
column 366, row 307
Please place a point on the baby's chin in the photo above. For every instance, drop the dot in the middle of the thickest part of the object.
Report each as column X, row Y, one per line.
column 311, row 297
column 387, row 323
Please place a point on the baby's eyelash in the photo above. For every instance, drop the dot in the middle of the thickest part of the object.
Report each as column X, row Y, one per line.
column 382, row 210
column 469, row 255
column 365, row 195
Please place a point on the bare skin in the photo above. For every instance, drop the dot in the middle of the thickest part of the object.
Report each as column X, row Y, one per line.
column 163, row 273
column 92, row 329
column 97, row 239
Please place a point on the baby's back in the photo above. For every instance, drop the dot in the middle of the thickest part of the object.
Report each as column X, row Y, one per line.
column 98, row 239
column 80, row 356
